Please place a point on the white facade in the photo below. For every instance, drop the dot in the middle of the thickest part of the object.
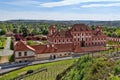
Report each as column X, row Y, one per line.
column 29, row 53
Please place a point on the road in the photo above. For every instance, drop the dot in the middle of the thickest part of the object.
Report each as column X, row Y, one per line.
column 12, row 67
column 6, row 51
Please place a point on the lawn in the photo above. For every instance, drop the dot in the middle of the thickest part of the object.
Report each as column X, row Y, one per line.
column 53, row 69
column 30, row 42
column 2, row 42
column 113, row 43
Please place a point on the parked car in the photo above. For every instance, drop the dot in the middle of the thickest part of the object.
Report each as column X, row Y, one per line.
column 29, row 71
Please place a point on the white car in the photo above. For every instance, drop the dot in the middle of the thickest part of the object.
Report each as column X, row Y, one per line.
column 0, row 67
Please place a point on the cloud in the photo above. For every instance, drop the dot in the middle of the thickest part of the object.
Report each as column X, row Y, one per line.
column 101, row 5
column 72, row 2
column 22, row 2
column 56, row 16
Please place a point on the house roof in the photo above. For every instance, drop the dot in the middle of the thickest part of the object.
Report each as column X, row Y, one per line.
column 80, row 27
column 64, row 47
column 49, row 48
column 93, row 48
column 22, row 46
column 39, row 49
column 9, row 33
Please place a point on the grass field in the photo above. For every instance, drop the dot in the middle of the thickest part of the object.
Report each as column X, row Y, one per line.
column 53, row 69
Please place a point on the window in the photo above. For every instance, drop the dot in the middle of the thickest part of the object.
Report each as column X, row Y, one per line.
column 25, row 53
column 19, row 54
column 55, row 40
column 89, row 44
column 65, row 54
column 60, row 54
column 67, row 40
column 74, row 39
column 82, row 34
column 69, row 53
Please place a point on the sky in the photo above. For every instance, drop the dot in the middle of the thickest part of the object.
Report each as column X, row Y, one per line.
column 103, row 10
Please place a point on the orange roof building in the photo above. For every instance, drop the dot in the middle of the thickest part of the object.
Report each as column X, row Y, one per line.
column 79, row 38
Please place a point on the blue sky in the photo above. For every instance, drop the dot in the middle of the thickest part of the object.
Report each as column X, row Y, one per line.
column 60, row 9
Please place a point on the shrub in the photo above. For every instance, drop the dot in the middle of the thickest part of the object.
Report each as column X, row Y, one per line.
column 11, row 58
column 11, row 45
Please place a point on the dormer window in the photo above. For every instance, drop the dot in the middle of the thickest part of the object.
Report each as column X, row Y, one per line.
column 48, row 45
column 52, row 45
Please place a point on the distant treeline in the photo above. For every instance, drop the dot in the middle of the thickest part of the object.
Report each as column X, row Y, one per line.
column 36, row 27
column 71, row 22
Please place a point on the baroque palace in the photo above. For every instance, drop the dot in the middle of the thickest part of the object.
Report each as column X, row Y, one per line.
column 75, row 40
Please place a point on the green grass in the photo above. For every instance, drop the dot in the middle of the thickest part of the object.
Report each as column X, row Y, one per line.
column 113, row 43
column 11, row 58
column 2, row 42
column 58, row 66
column 30, row 42
column 93, row 68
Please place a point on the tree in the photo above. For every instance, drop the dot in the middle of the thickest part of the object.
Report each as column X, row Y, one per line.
column 2, row 32
column 117, row 32
column 44, row 32
column 15, row 30
column 25, row 32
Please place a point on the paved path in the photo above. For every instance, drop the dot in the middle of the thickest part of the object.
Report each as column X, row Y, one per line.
column 6, row 51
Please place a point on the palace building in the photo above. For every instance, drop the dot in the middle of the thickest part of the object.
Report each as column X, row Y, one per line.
column 79, row 35
column 75, row 40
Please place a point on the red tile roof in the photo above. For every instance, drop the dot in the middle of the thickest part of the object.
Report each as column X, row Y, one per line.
column 93, row 48
column 21, row 46
column 43, row 48
column 78, row 49
column 49, row 48
column 80, row 27
column 64, row 47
